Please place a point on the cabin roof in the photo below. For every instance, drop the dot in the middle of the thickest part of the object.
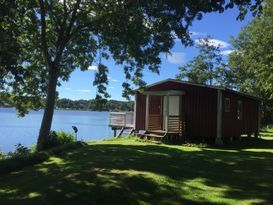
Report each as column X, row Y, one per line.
column 203, row 85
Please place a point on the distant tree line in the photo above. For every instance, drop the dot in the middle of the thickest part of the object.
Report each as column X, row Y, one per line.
column 94, row 105
column 109, row 105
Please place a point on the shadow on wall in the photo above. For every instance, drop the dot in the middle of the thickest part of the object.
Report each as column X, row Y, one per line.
column 134, row 174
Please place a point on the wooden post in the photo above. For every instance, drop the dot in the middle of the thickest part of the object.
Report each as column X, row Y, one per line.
column 219, row 140
column 167, row 112
column 259, row 120
column 147, row 112
column 115, row 132
column 135, row 106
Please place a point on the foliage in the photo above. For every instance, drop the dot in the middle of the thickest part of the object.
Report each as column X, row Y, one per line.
column 207, row 67
column 23, row 157
column 56, row 37
column 110, row 105
column 252, row 60
column 2, row 154
column 20, row 151
column 123, row 171
column 93, row 104
column 9, row 44
column 57, row 139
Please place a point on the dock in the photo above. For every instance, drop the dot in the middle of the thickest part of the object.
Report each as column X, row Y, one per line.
column 121, row 121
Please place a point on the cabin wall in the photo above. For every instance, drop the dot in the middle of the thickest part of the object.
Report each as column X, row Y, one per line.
column 199, row 105
column 231, row 125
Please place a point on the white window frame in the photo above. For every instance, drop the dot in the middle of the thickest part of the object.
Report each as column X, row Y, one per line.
column 227, row 109
column 240, row 110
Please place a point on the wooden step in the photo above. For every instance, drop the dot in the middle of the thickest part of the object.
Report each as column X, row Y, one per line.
column 157, row 132
column 152, row 137
column 155, row 142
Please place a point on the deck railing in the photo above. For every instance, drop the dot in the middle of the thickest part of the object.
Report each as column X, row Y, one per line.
column 121, row 119
column 177, row 124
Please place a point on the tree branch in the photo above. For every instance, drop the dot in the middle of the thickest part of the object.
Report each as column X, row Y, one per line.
column 67, row 35
column 74, row 16
column 43, row 32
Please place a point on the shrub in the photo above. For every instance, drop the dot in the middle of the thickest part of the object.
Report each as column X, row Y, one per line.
column 2, row 155
column 57, row 138
column 20, row 158
column 19, row 151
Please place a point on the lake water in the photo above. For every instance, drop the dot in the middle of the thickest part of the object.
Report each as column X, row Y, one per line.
column 13, row 130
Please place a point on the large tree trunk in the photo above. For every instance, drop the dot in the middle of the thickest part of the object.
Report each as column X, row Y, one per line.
column 49, row 108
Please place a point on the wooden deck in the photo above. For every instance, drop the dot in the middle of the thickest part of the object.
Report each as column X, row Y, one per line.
column 125, row 121
column 121, row 120
column 175, row 131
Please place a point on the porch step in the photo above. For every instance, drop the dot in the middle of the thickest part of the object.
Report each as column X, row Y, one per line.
column 156, row 132
column 151, row 137
column 143, row 140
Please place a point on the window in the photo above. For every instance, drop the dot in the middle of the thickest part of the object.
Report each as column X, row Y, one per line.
column 240, row 110
column 227, row 105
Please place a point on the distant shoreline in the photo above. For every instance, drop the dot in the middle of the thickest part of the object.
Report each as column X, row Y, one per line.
column 73, row 109
column 88, row 105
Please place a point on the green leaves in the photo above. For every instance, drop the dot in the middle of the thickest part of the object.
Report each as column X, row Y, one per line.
column 37, row 36
column 207, row 67
column 101, row 81
column 253, row 55
column 252, row 61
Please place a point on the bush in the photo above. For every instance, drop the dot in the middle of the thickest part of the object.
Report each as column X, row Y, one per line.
column 19, row 151
column 2, row 155
column 57, row 138
column 22, row 158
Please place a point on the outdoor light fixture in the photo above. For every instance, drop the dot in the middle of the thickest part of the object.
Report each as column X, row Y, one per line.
column 76, row 131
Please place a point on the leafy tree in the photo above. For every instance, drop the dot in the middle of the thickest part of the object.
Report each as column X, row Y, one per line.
column 9, row 45
column 58, row 36
column 207, row 67
column 252, row 59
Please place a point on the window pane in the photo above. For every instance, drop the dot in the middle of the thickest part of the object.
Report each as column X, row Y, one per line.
column 227, row 105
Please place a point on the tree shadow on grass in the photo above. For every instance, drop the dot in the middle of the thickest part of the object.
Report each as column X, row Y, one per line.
column 249, row 143
column 135, row 174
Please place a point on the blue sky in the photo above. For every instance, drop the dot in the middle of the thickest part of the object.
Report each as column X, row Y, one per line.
column 219, row 26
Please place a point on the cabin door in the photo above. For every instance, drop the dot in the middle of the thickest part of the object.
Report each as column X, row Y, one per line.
column 155, row 113
column 174, row 108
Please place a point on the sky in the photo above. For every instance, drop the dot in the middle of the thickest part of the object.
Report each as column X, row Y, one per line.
column 219, row 26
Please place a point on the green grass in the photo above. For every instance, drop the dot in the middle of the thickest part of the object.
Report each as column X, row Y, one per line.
column 124, row 171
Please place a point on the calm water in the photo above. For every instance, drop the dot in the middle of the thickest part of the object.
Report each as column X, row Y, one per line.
column 14, row 130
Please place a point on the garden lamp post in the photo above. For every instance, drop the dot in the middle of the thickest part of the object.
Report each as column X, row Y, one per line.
column 76, row 131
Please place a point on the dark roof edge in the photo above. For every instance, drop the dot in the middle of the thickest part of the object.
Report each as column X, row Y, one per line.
column 203, row 85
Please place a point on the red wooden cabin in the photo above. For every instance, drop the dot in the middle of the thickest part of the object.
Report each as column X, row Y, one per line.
column 183, row 111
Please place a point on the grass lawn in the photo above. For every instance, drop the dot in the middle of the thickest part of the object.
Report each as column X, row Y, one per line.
column 124, row 171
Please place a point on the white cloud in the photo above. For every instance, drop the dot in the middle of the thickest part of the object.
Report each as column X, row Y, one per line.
column 112, row 87
column 213, row 42
column 175, row 57
column 112, row 80
column 84, row 91
column 93, row 67
column 227, row 52
column 193, row 33
column 68, row 88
